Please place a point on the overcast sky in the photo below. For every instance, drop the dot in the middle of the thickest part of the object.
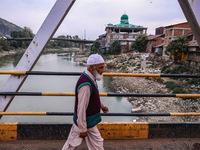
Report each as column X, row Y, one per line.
column 93, row 15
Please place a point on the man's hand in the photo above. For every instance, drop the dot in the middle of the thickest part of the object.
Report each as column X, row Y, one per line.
column 105, row 109
column 83, row 134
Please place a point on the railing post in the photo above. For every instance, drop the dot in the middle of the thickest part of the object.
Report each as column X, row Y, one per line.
column 35, row 49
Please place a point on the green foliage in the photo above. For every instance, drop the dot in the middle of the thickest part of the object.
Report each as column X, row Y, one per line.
column 115, row 48
column 163, row 69
column 26, row 32
column 159, row 79
column 140, row 43
column 177, row 47
column 167, row 71
column 179, row 90
column 171, row 85
column 193, row 81
column 3, row 45
column 179, row 69
column 175, row 70
column 62, row 43
column 95, row 47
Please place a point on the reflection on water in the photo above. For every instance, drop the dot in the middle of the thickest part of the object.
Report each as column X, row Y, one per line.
column 10, row 58
column 56, row 62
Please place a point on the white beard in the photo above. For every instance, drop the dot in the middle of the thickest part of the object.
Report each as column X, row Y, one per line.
column 97, row 76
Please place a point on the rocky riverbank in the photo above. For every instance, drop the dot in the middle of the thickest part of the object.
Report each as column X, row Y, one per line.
column 139, row 64
column 11, row 52
column 155, row 104
column 16, row 51
column 81, row 58
column 145, row 63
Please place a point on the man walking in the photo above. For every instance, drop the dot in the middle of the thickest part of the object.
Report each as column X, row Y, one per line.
column 87, row 107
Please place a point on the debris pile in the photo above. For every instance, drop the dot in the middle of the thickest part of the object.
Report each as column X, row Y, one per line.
column 142, row 63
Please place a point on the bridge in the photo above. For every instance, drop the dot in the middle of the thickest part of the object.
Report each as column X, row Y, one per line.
column 82, row 42
column 184, row 135
column 61, row 39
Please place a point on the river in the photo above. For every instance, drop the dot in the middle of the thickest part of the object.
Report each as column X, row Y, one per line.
column 56, row 62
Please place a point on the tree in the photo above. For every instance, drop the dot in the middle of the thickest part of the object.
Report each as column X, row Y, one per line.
column 140, row 43
column 26, row 32
column 76, row 37
column 3, row 45
column 95, row 47
column 115, row 48
column 177, row 48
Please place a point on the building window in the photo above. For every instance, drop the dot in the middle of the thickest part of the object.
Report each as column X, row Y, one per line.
column 116, row 37
column 130, row 36
column 121, row 36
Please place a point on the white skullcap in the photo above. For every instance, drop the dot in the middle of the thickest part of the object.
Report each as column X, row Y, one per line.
column 95, row 59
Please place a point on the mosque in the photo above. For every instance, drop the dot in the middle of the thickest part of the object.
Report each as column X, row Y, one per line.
column 124, row 32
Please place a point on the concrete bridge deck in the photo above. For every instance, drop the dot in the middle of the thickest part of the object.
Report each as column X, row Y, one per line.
column 143, row 144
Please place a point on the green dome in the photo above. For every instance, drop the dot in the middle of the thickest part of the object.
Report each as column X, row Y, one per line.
column 124, row 17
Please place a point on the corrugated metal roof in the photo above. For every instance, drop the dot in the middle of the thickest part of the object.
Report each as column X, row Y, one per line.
column 151, row 37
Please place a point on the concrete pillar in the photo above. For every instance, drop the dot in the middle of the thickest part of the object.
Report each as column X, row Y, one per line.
column 172, row 34
column 81, row 47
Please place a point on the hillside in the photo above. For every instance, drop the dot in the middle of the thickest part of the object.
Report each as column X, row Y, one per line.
column 7, row 27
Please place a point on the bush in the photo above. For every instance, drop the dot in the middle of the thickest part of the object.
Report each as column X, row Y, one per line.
column 179, row 90
column 163, row 69
column 167, row 71
column 171, row 85
column 3, row 45
column 159, row 79
column 179, row 69
column 193, row 81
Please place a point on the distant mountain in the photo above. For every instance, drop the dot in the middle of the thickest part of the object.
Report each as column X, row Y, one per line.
column 7, row 27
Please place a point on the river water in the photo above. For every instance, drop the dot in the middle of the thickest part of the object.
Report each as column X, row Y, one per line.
column 56, row 62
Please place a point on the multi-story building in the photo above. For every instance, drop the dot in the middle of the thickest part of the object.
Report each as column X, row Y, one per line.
column 155, row 44
column 160, row 30
column 173, row 31
column 124, row 32
column 102, row 41
column 158, row 43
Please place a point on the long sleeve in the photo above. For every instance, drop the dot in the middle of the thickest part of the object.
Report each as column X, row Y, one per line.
column 83, row 101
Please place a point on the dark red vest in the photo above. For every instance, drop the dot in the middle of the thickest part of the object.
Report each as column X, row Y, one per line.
column 93, row 110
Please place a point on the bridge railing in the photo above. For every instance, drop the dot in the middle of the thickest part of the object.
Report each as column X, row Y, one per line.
column 101, row 94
